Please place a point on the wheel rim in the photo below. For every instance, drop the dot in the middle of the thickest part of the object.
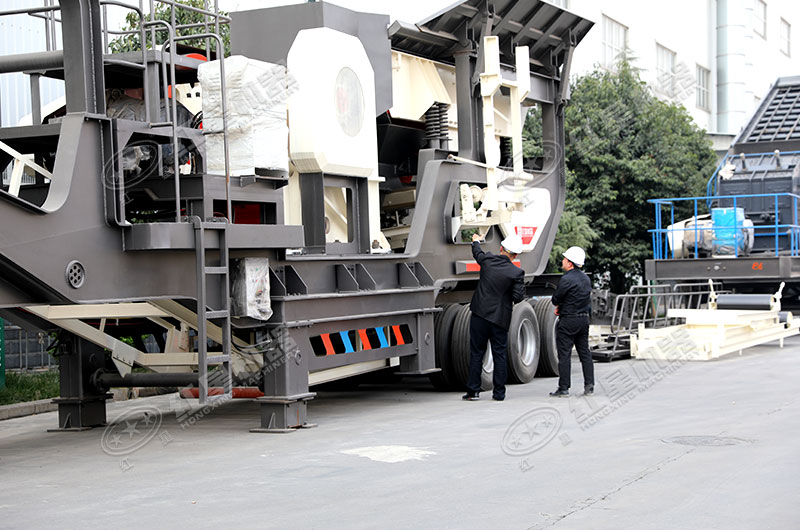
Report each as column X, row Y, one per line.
column 527, row 344
column 488, row 360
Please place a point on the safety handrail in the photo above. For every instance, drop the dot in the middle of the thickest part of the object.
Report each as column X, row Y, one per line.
column 661, row 236
column 651, row 308
column 229, row 212
column 143, row 67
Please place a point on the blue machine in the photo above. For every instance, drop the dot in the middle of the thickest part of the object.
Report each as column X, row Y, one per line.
column 746, row 228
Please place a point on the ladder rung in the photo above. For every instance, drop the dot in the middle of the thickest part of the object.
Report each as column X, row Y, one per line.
column 222, row 313
column 216, row 270
column 213, row 359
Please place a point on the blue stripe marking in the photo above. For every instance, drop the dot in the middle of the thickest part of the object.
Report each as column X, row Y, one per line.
column 348, row 346
column 382, row 337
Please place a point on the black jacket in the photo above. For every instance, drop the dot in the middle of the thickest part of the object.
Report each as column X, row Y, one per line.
column 574, row 293
column 500, row 286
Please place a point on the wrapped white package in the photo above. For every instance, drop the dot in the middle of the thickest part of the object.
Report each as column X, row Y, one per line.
column 250, row 292
column 248, row 150
column 256, row 94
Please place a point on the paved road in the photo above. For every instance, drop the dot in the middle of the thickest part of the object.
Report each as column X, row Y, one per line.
column 689, row 446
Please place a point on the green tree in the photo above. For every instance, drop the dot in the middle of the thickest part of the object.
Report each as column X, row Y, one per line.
column 129, row 43
column 625, row 146
column 573, row 229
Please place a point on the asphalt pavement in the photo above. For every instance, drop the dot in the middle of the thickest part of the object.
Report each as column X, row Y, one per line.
column 689, row 445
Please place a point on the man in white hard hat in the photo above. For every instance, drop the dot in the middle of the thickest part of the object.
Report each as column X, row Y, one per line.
column 573, row 301
column 500, row 286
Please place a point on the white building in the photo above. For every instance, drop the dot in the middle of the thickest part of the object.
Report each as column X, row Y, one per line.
column 716, row 57
column 25, row 34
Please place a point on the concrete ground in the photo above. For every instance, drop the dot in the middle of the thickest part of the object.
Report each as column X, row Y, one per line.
column 701, row 445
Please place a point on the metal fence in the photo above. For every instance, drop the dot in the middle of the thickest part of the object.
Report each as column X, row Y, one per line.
column 648, row 305
column 26, row 350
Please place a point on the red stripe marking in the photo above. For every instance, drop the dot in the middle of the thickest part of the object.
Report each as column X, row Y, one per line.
column 364, row 340
column 326, row 340
column 398, row 335
column 239, row 392
column 474, row 267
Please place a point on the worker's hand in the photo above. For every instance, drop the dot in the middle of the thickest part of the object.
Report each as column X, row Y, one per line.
column 476, row 238
column 556, row 311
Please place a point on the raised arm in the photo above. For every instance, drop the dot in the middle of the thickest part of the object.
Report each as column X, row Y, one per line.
column 477, row 252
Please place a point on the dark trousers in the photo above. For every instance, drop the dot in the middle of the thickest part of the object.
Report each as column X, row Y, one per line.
column 569, row 331
column 481, row 331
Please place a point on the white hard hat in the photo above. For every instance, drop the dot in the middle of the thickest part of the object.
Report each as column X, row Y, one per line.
column 576, row 255
column 513, row 244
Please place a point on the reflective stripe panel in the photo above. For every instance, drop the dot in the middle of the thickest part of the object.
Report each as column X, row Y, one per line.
column 364, row 340
column 348, row 346
column 326, row 340
column 468, row 266
column 382, row 337
column 356, row 340
column 397, row 335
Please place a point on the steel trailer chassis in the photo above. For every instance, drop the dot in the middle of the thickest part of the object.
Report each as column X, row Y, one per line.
column 76, row 262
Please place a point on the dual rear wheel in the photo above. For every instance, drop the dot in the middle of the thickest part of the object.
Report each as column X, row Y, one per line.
column 526, row 343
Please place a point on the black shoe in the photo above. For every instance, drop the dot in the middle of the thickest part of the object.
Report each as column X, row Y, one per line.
column 471, row 396
column 588, row 390
column 495, row 398
column 560, row 392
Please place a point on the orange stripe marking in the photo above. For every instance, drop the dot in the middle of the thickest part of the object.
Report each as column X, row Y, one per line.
column 398, row 335
column 326, row 340
column 364, row 340
column 474, row 267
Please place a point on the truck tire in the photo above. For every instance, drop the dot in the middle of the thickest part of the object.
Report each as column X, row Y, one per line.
column 460, row 347
column 443, row 333
column 460, row 351
column 548, row 352
column 524, row 344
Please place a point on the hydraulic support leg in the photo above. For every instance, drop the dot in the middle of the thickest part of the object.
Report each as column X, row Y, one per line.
column 285, row 386
column 81, row 406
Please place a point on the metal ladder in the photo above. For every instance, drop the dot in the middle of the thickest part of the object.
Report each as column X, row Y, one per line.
column 222, row 316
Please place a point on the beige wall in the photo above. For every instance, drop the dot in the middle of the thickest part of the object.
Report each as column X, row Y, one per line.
column 689, row 28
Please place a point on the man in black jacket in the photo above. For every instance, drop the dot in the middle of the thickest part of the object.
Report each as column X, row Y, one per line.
column 500, row 286
column 573, row 301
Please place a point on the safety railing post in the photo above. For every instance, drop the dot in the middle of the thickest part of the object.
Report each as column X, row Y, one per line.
column 696, row 234
column 777, row 225
column 735, row 229
column 672, row 223
column 2, row 354
column 794, row 225
column 657, row 233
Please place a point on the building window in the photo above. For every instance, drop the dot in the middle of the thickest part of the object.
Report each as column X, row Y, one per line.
column 760, row 18
column 665, row 70
column 786, row 38
column 615, row 40
column 703, row 77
